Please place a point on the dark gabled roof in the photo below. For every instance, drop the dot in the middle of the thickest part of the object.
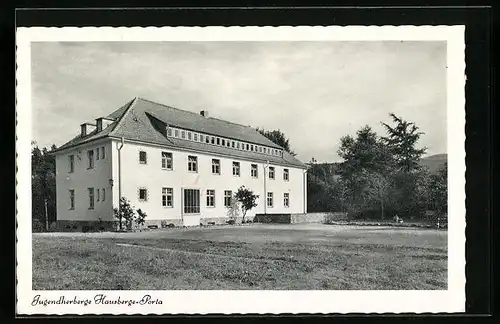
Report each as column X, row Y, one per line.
column 145, row 121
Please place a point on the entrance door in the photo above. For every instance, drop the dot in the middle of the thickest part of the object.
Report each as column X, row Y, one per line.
column 191, row 207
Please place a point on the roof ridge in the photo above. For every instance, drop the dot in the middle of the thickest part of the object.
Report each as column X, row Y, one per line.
column 131, row 103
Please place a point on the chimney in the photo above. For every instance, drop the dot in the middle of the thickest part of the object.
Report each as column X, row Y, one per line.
column 204, row 113
column 86, row 128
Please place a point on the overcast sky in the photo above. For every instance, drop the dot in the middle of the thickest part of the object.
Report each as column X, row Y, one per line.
column 315, row 92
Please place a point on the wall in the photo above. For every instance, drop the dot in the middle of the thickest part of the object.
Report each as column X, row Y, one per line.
column 152, row 177
column 81, row 179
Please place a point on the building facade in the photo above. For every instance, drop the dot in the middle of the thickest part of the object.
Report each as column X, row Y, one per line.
column 179, row 167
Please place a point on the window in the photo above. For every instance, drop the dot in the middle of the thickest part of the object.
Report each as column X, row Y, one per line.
column 167, row 197
column 223, row 142
column 285, row 174
column 192, row 163
column 176, row 132
column 212, row 140
column 169, row 131
column 270, row 202
column 90, row 155
column 218, row 141
column 71, row 160
column 232, row 144
column 143, row 194
column 286, row 199
column 228, row 144
column 228, row 194
column 167, row 160
column 189, row 135
column 191, row 201
column 183, row 134
column 238, row 145
column 103, row 194
column 251, row 148
column 236, row 169
column 72, row 199
column 210, row 198
column 260, row 149
column 196, row 137
column 254, row 171
column 98, row 195
column 201, row 138
column 248, row 147
column 97, row 156
column 91, row 198
column 271, row 172
column 143, row 157
column 215, row 166
column 103, row 155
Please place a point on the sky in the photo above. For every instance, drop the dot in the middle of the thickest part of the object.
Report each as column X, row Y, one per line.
column 314, row 92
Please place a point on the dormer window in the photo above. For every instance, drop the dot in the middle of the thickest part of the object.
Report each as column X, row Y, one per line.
column 223, row 142
column 196, row 137
column 189, row 135
column 218, row 141
column 176, row 133
column 212, row 140
column 183, row 134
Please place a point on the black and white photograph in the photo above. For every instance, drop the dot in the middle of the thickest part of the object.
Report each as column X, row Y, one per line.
column 189, row 171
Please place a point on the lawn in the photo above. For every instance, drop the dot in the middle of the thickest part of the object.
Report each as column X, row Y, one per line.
column 272, row 257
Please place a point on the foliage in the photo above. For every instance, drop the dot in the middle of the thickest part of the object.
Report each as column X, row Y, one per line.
column 43, row 183
column 278, row 137
column 37, row 226
column 233, row 210
column 438, row 190
column 247, row 200
column 141, row 217
column 125, row 213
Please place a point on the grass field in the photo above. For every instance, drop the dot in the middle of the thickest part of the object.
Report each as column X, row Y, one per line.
column 260, row 256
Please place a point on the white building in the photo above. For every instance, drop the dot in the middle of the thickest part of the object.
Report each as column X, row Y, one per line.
column 179, row 167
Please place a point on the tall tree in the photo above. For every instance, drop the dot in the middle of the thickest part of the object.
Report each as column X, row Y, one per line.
column 278, row 137
column 43, row 184
column 402, row 139
column 438, row 190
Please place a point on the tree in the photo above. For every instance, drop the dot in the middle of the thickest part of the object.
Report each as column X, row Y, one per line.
column 141, row 217
column 438, row 190
column 402, row 139
column 124, row 213
column 279, row 138
column 43, row 183
column 378, row 188
column 247, row 199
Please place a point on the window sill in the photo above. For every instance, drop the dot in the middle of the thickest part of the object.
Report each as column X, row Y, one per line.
column 71, row 208
column 210, row 206
column 167, row 169
column 167, row 207
column 192, row 171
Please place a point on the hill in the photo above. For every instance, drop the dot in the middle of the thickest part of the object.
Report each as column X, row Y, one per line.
column 434, row 162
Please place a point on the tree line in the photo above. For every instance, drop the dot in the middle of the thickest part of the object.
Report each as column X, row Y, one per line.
column 379, row 177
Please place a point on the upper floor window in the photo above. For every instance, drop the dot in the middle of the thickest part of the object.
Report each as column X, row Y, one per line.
column 176, row 133
column 210, row 198
column 196, row 137
column 238, row 145
column 228, row 144
column 286, row 199
column 98, row 194
column 103, row 155
column 169, row 131
column 91, row 198
column 190, row 135
column 167, row 162
column 212, row 140
column 72, row 199
column 143, row 194
column 143, row 157
column 271, row 172
column 183, row 134
column 218, row 141
column 228, row 194
column 71, row 161
column 248, row 147
column 236, row 169
column 251, row 148
column 202, row 138
column 97, row 156
column 285, row 174
column 270, row 199
column 103, row 194
column 260, row 149
column 223, row 142
column 254, row 171
column 215, row 166
column 90, row 155
column 167, row 197
column 192, row 163
column 232, row 144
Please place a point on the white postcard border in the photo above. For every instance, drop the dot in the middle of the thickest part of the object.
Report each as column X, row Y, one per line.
column 242, row 301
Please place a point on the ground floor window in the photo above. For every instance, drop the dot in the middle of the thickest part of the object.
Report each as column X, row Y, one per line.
column 143, row 194
column 191, row 201
column 167, row 197
column 286, row 199
column 91, row 198
column 227, row 198
column 270, row 201
column 210, row 198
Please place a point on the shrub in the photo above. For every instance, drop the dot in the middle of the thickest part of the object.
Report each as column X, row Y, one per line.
column 37, row 226
column 53, row 227
column 231, row 222
column 141, row 217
